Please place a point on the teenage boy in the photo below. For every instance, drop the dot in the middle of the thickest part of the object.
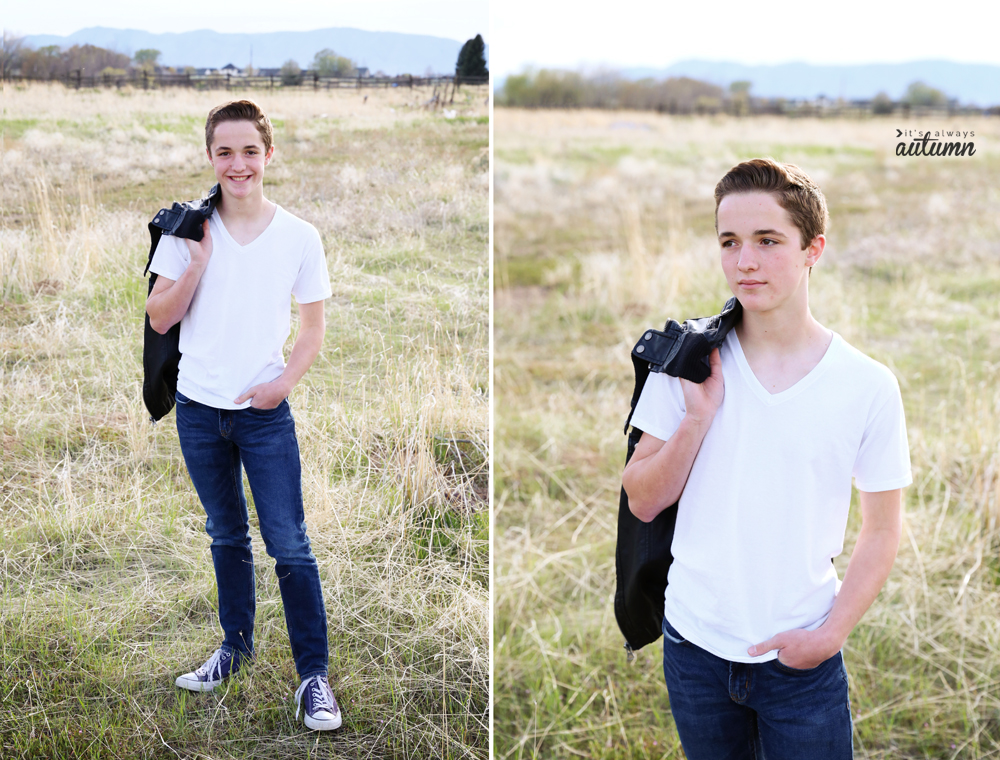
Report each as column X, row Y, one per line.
column 761, row 456
column 231, row 292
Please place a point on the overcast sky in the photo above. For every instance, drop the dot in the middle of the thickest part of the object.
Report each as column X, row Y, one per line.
column 454, row 19
column 638, row 33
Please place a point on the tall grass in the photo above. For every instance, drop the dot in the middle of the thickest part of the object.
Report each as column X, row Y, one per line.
column 604, row 227
column 107, row 584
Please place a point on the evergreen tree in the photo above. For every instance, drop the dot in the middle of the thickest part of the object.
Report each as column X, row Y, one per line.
column 471, row 62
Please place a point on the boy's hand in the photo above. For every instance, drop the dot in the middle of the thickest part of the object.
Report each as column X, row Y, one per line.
column 799, row 648
column 265, row 395
column 201, row 250
column 702, row 400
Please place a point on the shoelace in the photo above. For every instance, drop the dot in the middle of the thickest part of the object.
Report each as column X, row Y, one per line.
column 214, row 663
column 319, row 695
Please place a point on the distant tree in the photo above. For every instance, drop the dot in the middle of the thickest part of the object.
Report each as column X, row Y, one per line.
column 739, row 93
column 146, row 58
column 882, row 104
column 327, row 63
column 471, row 61
column 291, row 74
column 92, row 59
column 10, row 55
column 44, row 62
column 920, row 94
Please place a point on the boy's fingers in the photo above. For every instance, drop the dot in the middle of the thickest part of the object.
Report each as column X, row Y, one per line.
column 765, row 646
column 250, row 393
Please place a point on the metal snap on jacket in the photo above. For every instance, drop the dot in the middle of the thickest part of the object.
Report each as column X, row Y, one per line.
column 648, row 336
column 640, row 349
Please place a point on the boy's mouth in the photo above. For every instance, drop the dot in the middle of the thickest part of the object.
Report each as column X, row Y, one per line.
column 239, row 179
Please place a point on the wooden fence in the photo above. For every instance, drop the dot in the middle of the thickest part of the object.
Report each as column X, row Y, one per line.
column 306, row 80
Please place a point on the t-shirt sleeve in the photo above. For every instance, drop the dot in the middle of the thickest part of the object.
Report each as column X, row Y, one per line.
column 883, row 460
column 313, row 280
column 171, row 257
column 660, row 408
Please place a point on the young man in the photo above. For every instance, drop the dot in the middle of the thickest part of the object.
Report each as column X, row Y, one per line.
column 231, row 292
column 761, row 456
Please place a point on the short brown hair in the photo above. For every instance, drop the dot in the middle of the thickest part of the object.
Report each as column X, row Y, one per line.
column 239, row 110
column 793, row 190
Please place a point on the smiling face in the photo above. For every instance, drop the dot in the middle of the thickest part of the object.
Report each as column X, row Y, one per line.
column 762, row 255
column 238, row 157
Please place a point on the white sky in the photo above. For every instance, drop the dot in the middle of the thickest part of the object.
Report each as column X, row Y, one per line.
column 631, row 33
column 454, row 19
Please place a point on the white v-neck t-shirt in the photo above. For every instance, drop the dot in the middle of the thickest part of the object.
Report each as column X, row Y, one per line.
column 765, row 507
column 240, row 315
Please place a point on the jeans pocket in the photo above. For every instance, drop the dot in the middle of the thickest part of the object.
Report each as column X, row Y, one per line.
column 789, row 670
column 671, row 634
column 272, row 410
column 181, row 399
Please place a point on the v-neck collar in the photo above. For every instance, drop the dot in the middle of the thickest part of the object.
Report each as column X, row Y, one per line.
column 803, row 384
column 232, row 240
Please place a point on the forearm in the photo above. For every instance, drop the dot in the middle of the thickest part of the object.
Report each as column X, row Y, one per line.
column 867, row 572
column 168, row 307
column 656, row 481
column 304, row 352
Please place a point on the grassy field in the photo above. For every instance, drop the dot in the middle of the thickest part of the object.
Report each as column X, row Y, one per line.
column 603, row 226
column 107, row 584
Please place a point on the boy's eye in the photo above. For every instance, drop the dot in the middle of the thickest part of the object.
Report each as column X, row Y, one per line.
column 728, row 243
column 768, row 241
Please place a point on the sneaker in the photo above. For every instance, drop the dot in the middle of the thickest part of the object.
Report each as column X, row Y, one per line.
column 217, row 669
column 322, row 713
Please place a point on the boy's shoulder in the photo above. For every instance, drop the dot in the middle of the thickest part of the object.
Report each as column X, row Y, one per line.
column 861, row 363
column 294, row 226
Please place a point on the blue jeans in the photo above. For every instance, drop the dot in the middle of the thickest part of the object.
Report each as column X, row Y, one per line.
column 217, row 444
column 734, row 711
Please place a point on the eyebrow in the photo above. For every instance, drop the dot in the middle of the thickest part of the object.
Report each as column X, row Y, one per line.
column 757, row 233
column 245, row 147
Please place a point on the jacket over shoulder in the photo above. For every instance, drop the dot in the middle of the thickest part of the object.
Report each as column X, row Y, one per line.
column 642, row 552
column 161, row 354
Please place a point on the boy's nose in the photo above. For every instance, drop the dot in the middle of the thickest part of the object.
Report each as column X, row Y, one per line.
column 747, row 258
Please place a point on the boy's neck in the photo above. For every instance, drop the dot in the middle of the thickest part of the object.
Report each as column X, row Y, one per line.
column 248, row 209
column 787, row 330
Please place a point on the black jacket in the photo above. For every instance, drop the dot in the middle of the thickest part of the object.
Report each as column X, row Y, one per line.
column 642, row 555
column 160, row 353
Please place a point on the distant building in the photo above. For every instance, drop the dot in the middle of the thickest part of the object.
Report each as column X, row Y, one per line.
column 363, row 72
column 269, row 72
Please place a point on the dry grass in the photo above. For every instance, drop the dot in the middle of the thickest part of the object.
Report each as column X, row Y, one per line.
column 107, row 584
column 604, row 227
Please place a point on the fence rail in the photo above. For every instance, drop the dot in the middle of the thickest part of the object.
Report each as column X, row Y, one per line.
column 307, row 80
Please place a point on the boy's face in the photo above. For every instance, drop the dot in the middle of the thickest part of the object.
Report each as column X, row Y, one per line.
column 762, row 254
column 238, row 157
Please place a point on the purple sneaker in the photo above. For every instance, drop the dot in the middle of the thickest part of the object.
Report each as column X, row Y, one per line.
column 322, row 713
column 218, row 668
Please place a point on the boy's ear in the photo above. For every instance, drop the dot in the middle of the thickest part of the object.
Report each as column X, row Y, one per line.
column 208, row 152
column 815, row 249
column 269, row 155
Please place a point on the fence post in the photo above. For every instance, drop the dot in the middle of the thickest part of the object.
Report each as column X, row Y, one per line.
column 145, row 79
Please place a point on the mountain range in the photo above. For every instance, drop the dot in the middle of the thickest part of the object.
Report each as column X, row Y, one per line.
column 971, row 83
column 391, row 52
